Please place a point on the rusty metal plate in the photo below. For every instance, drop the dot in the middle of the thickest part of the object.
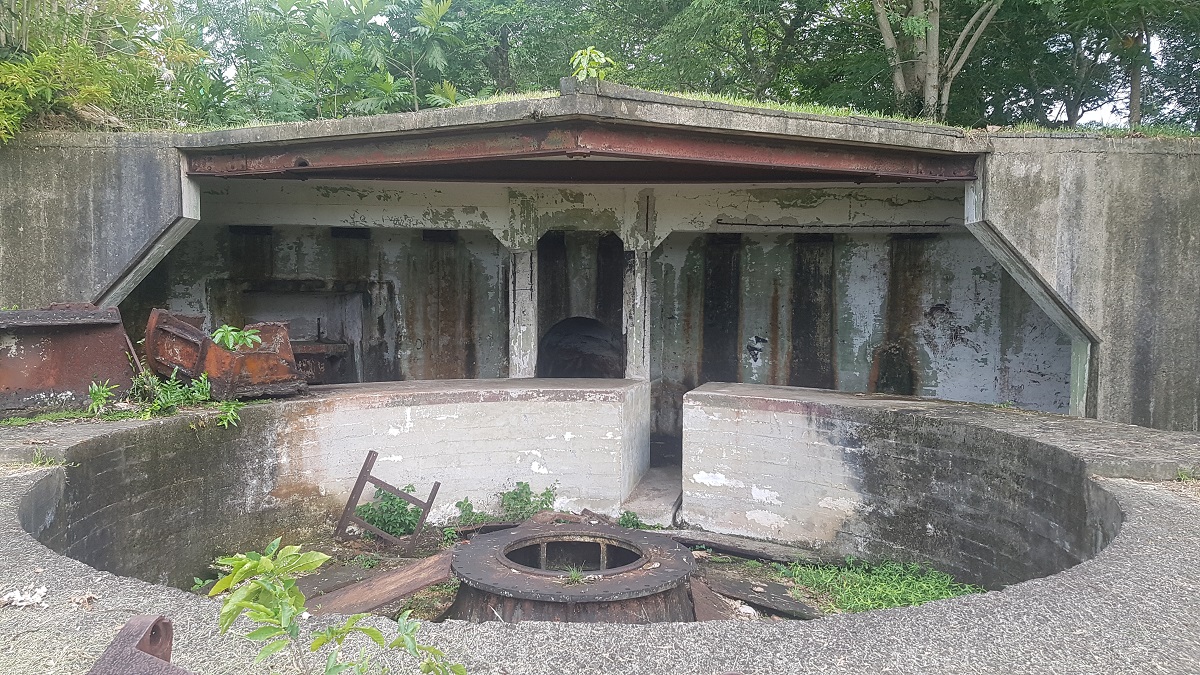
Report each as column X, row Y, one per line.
column 49, row 357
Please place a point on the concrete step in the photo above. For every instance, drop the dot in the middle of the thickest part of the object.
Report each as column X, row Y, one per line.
column 657, row 497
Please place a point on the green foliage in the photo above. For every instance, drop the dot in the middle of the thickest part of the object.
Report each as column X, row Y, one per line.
column 1185, row 475
column 592, row 63
column 262, row 586
column 521, row 503
column 234, row 338
column 67, row 415
column 630, row 520
column 858, row 586
column 390, row 513
column 366, row 561
column 467, row 515
column 229, row 416
column 100, row 393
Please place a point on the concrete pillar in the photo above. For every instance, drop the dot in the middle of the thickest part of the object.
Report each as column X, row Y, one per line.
column 523, row 315
column 637, row 315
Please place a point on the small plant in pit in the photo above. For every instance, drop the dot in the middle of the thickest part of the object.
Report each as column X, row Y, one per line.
column 198, row 583
column 232, row 338
column 390, row 513
column 521, row 503
column 575, row 576
column 366, row 561
column 1185, row 475
column 858, row 586
column 100, row 393
column 449, row 537
column 630, row 520
column 262, row 586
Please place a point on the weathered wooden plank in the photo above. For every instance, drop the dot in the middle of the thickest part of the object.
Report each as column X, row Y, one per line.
column 385, row 587
column 708, row 605
column 765, row 594
column 748, row 548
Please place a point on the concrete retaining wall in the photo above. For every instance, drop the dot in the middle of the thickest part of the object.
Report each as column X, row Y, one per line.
column 1113, row 226
column 159, row 501
column 78, row 210
column 872, row 477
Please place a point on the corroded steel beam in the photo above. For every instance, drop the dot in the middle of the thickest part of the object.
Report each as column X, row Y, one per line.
column 141, row 647
column 580, row 140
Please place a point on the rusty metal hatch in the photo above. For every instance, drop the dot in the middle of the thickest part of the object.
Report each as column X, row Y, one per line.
column 573, row 572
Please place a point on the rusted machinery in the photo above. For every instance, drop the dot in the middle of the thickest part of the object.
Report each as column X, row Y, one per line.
column 573, row 572
column 177, row 342
column 48, row 357
column 141, row 647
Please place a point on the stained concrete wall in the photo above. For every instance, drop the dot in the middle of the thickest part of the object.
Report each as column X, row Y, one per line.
column 827, row 311
column 187, row 486
column 1113, row 226
column 879, row 478
column 78, row 210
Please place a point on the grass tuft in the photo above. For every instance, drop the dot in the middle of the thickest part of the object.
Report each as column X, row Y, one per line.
column 859, row 586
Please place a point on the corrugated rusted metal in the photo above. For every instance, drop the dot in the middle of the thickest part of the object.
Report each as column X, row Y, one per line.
column 49, row 357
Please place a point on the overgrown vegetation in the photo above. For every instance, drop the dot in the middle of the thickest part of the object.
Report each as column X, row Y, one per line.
column 117, row 64
column 262, row 586
column 149, row 396
column 517, row 504
column 858, row 586
column 390, row 513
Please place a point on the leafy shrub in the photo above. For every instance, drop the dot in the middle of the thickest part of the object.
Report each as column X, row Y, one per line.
column 630, row 520
column 232, row 338
column 467, row 515
column 520, row 503
column 263, row 587
column 229, row 416
column 390, row 513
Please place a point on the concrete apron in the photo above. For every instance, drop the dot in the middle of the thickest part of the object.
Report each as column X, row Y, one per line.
column 1129, row 609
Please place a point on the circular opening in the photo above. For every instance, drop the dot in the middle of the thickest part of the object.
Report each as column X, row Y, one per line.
column 567, row 555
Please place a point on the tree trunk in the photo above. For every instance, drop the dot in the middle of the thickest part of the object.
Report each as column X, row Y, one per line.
column 1135, row 84
column 892, row 50
column 933, row 61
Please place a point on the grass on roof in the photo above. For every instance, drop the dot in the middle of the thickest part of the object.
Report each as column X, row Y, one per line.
column 806, row 108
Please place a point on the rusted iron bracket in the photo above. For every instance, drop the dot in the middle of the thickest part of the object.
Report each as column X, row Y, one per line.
column 364, row 477
column 177, row 342
column 141, row 647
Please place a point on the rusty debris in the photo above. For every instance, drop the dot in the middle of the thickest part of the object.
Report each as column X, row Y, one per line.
column 177, row 342
column 141, row 647
column 49, row 357
column 364, row 477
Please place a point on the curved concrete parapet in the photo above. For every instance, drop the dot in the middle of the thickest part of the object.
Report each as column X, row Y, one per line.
column 883, row 477
column 186, row 485
column 1132, row 608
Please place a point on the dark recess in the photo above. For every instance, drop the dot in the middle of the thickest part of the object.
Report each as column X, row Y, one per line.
column 722, row 308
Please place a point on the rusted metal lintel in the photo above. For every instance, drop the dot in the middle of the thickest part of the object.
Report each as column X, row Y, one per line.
column 364, row 477
column 580, row 140
column 141, row 647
